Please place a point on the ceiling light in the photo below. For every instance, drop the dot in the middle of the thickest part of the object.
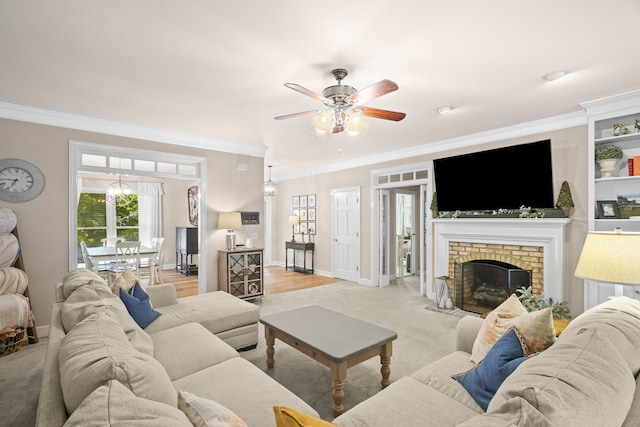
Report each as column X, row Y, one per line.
column 270, row 188
column 444, row 110
column 554, row 76
column 338, row 119
column 117, row 191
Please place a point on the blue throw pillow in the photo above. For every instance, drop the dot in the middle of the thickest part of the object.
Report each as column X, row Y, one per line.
column 139, row 306
column 503, row 358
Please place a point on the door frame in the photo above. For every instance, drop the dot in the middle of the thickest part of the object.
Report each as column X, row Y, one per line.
column 414, row 217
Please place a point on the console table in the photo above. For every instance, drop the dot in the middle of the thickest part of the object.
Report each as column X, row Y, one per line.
column 298, row 246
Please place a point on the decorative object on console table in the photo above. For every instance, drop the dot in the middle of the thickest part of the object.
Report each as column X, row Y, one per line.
column 293, row 220
column 608, row 209
column 608, row 157
column 230, row 221
column 612, row 258
column 565, row 201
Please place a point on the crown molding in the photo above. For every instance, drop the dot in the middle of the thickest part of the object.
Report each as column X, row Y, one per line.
column 72, row 121
column 564, row 121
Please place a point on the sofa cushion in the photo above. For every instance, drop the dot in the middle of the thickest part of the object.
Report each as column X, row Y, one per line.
column 217, row 311
column 113, row 404
column 138, row 305
column 97, row 350
column 514, row 412
column 244, row 388
column 535, row 327
column 483, row 380
column 581, row 380
column 76, row 278
column 406, row 402
column 439, row 376
column 96, row 296
column 206, row 412
column 289, row 417
column 189, row 348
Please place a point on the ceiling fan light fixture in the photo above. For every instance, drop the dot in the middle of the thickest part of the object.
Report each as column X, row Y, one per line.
column 323, row 121
column 356, row 125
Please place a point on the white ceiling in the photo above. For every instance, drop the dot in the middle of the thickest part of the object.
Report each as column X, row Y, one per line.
column 213, row 72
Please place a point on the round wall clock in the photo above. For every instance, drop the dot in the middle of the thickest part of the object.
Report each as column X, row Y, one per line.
column 20, row 181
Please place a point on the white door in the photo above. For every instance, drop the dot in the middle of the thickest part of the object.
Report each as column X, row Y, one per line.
column 346, row 233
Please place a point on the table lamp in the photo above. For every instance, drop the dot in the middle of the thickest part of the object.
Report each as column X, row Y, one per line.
column 612, row 257
column 230, row 221
column 293, row 220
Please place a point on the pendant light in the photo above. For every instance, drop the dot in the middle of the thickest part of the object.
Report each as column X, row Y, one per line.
column 270, row 188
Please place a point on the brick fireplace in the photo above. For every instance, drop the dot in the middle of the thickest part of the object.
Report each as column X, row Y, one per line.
column 531, row 244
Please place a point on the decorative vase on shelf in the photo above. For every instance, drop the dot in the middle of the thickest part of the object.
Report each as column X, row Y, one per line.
column 608, row 167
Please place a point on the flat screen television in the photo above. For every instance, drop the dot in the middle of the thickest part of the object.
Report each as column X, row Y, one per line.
column 502, row 178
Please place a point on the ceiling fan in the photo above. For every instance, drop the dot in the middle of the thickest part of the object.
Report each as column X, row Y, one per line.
column 344, row 109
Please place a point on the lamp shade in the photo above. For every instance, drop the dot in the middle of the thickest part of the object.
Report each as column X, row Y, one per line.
column 293, row 220
column 610, row 257
column 230, row 220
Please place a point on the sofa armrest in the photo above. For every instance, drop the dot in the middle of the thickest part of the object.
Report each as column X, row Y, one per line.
column 466, row 332
column 162, row 295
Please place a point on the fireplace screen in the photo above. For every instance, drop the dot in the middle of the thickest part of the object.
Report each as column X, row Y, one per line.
column 482, row 285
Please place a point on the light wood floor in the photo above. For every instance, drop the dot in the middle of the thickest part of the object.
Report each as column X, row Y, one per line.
column 276, row 280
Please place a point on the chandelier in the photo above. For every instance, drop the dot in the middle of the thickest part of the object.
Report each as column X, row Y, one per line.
column 270, row 188
column 117, row 190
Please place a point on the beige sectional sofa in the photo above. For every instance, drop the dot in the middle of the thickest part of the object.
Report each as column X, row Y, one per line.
column 101, row 368
column 588, row 377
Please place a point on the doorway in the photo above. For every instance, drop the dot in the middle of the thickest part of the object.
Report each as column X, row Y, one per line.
column 405, row 232
column 346, row 233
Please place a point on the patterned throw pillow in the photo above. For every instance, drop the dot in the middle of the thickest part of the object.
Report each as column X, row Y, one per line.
column 536, row 328
column 207, row 413
column 483, row 380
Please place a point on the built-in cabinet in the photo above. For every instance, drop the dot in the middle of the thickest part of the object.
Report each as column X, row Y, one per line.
column 240, row 272
column 606, row 190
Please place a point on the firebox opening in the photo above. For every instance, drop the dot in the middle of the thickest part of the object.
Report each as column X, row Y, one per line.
column 482, row 285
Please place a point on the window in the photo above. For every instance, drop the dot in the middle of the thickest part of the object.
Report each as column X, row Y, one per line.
column 98, row 219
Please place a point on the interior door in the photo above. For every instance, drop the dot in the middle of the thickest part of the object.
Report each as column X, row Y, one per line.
column 346, row 234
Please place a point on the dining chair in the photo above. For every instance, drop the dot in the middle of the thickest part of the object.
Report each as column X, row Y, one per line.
column 102, row 268
column 153, row 266
column 127, row 257
column 111, row 241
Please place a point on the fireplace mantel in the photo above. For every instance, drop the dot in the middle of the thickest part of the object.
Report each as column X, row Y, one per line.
column 547, row 233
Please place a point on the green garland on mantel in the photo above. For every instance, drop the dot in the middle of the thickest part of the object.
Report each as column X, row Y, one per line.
column 523, row 212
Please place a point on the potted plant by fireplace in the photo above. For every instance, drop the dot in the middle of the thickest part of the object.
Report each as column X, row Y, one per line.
column 608, row 157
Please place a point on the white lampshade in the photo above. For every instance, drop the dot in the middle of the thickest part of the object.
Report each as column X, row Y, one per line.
column 610, row 257
column 230, row 220
column 293, row 219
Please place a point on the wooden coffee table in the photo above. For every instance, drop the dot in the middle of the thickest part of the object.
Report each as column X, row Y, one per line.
column 333, row 339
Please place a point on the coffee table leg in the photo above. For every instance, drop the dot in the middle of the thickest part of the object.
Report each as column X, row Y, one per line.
column 270, row 339
column 338, row 375
column 385, row 361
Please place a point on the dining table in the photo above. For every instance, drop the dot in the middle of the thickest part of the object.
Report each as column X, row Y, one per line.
column 106, row 254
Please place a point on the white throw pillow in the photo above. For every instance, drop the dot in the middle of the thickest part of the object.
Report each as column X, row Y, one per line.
column 207, row 413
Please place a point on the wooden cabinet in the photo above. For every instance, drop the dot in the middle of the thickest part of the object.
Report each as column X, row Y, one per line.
column 186, row 248
column 240, row 272
column 621, row 189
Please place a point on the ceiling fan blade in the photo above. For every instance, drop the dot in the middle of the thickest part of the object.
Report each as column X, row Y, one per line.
column 382, row 114
column 376, row 90
column 306, row 91
column 290, row 116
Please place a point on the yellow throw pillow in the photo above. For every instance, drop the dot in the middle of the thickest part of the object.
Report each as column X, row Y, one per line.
column 289, row 417
column 536, row 328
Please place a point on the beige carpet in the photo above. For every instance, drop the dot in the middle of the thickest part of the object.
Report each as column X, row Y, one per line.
column 425, row 333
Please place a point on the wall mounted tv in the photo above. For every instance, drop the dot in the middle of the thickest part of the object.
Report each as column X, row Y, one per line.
column 502, row 178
